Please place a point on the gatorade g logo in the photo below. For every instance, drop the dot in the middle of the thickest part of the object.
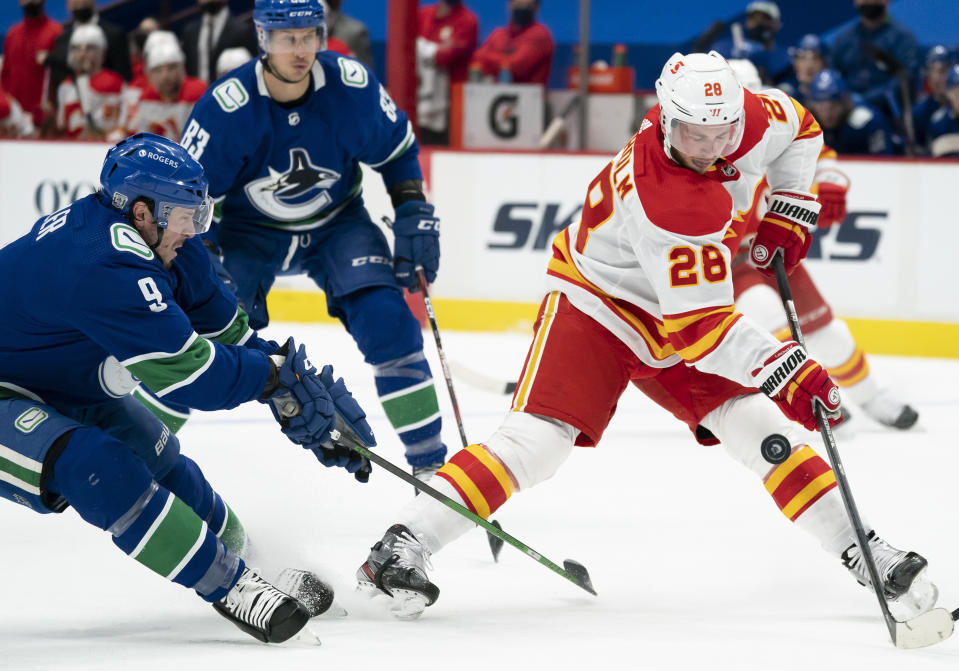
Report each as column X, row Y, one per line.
column 30, row 420
column 502, row 116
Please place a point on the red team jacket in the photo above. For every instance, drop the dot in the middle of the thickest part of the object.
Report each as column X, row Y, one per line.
column 25, row 48
column 456, row 34
column 526, row 52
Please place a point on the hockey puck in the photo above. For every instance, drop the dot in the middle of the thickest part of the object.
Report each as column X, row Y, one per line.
column 775, row 448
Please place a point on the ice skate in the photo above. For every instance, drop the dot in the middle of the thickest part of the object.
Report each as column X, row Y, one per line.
column 890, row 411
column 906, row 587
column 310, row 590
column 396, row 566
column 261, row 610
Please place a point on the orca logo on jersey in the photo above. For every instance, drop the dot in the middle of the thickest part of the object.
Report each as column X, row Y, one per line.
column 297, row 193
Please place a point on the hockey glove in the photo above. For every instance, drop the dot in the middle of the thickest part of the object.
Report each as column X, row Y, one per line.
column 417, row 234
column 297, row 397
column 832, row 197
column 787, row 226
column 796, row 382
column 351, row 427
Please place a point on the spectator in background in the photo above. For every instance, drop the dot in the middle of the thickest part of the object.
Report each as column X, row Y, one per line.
column 116, row 55
column 88, row 101
column 351, row 32
column 231, row 59
column 168, row 99
column 447, row 37
column 944, row 128
column 25, row 50
column 758, row 41
column 848, row 126
column 875, row 56
column 522, row 51
column 808, row 59
column 207, row 37
column 938, row 61
column 14, row 122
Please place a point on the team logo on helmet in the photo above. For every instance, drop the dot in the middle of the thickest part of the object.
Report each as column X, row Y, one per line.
column 299, row 192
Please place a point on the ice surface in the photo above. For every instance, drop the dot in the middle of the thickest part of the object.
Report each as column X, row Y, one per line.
column 694, row 565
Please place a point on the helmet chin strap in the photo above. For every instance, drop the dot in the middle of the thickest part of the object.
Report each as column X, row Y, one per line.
column 159, row 237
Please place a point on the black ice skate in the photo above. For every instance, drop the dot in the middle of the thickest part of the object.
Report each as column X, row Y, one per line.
column 396, row 566
column 902, row 573
column 261, row 610
column 890, row 411
column 310, row 590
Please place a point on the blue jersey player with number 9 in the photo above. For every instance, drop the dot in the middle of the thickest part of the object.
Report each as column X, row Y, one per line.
column 282, row 138
column 116, row 288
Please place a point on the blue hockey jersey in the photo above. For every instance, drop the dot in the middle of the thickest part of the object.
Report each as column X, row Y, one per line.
column 297, row 167
column 87, row 306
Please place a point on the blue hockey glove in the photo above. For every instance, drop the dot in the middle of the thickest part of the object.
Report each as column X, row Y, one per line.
column 298, row 398
column 351, row 427
column 417, row 233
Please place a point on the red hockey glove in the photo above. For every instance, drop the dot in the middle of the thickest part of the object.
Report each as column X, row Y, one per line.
column 795, row 382
column 787, row 226
column 832, row 197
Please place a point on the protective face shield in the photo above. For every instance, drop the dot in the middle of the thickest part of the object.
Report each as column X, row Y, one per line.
column 290, row 41
column 185, row 220
column 701, row 105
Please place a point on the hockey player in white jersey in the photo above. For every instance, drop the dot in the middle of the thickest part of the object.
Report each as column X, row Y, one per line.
column 641, row 292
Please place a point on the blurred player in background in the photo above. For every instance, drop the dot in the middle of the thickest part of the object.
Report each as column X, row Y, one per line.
column 827, row 337
column 113, row 286
column 166, row 102
column 282, row 139
column 88, row 101
column 642, row 292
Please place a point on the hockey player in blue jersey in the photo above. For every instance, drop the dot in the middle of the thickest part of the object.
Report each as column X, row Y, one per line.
column 282, row 139
column 115, row 288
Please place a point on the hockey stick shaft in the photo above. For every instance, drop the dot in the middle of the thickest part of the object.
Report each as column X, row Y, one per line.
column 578, row 575
column 431, row 315
column 832, row 451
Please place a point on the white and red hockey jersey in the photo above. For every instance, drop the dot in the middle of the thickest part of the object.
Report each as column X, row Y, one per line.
column 650, row 258
column 152, row 113
column 89, row 103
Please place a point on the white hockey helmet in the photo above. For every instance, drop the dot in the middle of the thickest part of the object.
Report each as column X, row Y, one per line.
column 699, row 94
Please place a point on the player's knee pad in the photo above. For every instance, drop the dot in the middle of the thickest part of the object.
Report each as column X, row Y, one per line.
column 832, row 345
column 99, row 477
column 762, row 304
column 381, row 323
column 745, row 424
column 532, row 447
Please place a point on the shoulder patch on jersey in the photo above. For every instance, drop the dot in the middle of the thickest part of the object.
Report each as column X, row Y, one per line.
column 352, row 72
column 860, row 116
column 231, row 95
column 125, row 238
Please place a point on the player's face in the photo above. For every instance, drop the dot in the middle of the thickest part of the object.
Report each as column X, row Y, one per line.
column 697, row 147
column 952, row 95
column 936, row 77
column 167, row 79
column 828, row 113
column 293, row 51
column 807, row 64
column 86, row 59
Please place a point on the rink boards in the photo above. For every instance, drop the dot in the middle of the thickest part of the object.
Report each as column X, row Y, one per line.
column 889, row 268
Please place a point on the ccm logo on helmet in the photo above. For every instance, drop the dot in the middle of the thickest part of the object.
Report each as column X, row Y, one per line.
column 157, row 157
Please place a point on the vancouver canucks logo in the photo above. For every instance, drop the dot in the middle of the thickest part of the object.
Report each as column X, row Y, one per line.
column 298, row 193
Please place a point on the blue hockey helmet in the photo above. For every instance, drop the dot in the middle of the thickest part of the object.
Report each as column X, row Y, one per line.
column 151, row 166
column 827, row 85
column 939, row 54
column 952, row 79
column 809, row 43
column 287, row 15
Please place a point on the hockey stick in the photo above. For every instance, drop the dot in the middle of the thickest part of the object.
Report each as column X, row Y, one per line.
column 495, row 542
column 572, row 570
column 926, row 629
column 479, row 380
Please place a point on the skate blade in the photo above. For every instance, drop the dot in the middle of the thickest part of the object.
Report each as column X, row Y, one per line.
column 306, row 637
column 929, row 628
column 403, row 604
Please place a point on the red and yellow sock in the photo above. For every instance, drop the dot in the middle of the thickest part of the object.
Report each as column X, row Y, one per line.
column 480, row 478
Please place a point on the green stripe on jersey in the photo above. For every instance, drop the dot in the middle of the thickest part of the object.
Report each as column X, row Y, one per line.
column 174, row 420
column 25, row 474
column 234, row 332
column 233, row 534
column 414, row 407
column 171, row 540
column 164, row 372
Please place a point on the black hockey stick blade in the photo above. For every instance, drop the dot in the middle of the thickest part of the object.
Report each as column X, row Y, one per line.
column 927, row 629
column 580, row 575
column 495, row 543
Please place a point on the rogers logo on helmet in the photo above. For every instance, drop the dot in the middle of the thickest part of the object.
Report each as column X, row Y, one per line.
column 163, row 159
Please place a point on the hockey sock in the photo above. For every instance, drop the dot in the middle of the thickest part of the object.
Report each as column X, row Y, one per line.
column 113, row 490
column 188, row 483
column 800, row 481
column 171, row 414
column 406, row 390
